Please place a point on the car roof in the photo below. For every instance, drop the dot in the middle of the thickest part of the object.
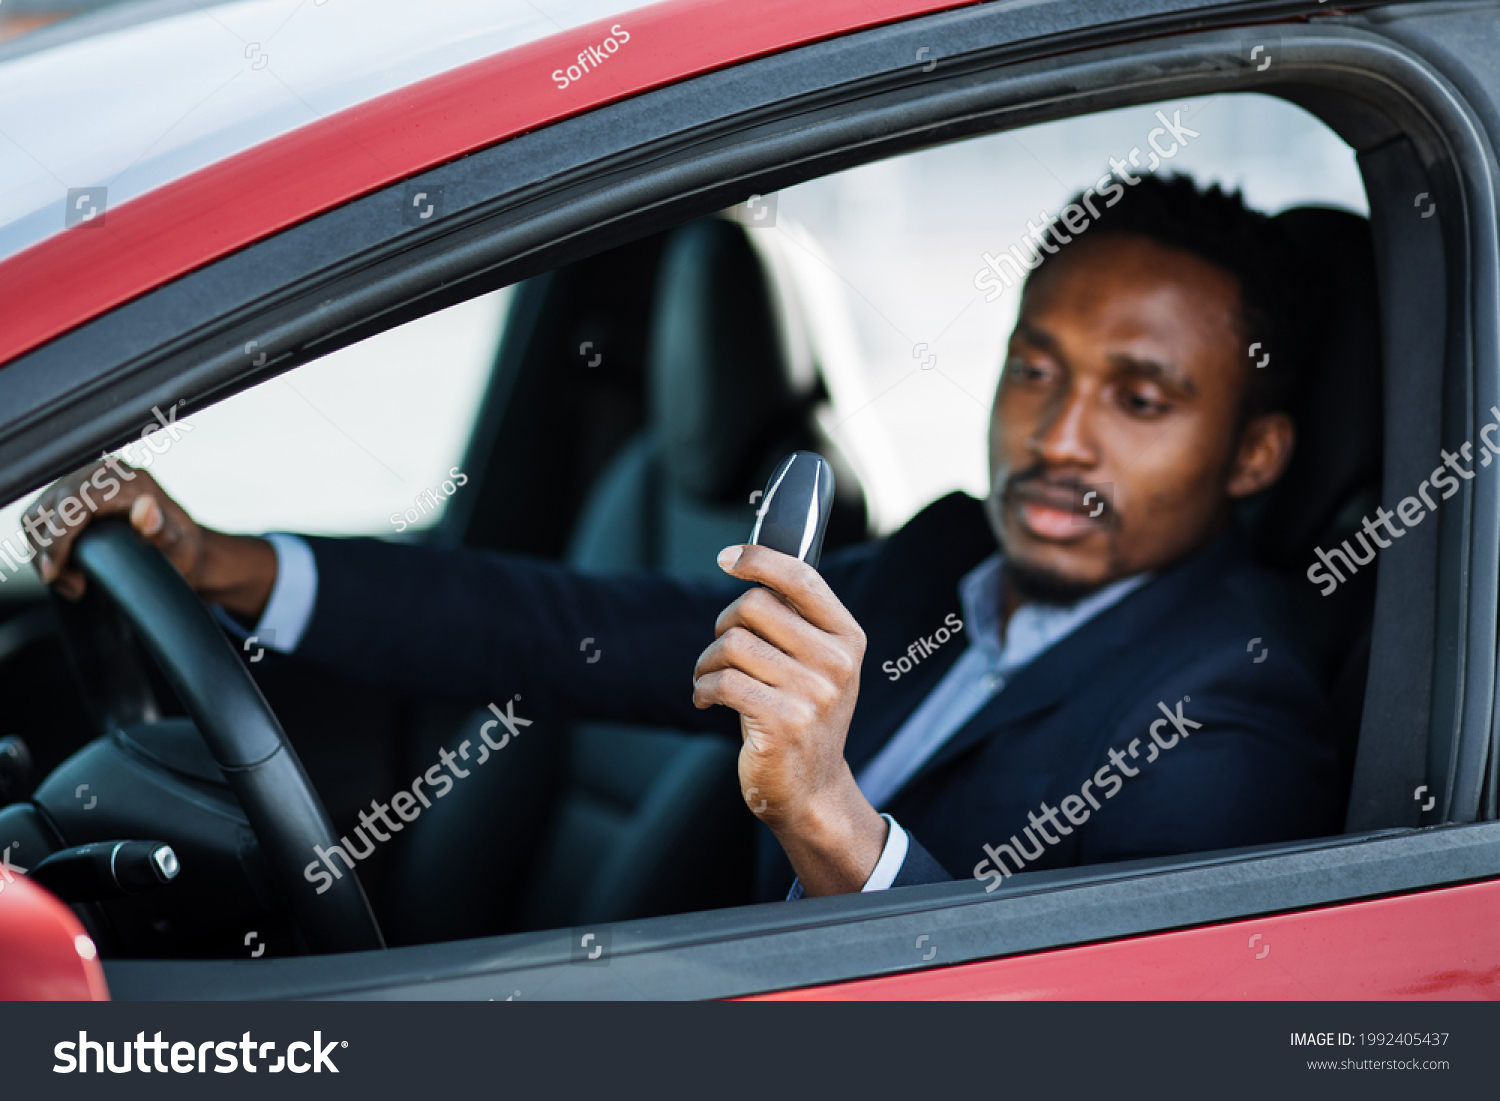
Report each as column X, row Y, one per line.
column 359, row 97
column 137, row 103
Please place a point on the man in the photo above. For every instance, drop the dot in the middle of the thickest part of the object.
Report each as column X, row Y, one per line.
column 1100, row 703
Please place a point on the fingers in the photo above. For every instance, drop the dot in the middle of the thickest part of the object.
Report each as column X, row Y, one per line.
column 57, row 516
column 767, row 708
column 107, row 488
column 168, row 529
column 741, row 649
column 799, row 644
column 776, row 629
column 801, row 586
column 799, row 615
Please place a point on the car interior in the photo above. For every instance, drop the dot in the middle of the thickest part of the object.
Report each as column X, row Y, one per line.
column 653, row 467
column 650, row 465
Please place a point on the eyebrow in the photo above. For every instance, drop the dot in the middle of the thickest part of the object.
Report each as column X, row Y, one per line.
column 1165, row 373
column 1032, row 335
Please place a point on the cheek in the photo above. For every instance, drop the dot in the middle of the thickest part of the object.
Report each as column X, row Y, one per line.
column 1171, row 485
column 1016, row 418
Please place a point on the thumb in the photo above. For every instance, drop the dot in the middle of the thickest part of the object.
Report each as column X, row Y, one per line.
column 146, row 515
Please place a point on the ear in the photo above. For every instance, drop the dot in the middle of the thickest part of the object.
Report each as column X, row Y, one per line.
column 1265, row 449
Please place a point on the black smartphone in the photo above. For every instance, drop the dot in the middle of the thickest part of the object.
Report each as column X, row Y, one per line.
column 793, row 514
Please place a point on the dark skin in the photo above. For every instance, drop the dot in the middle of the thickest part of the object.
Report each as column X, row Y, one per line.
column 1127, row 366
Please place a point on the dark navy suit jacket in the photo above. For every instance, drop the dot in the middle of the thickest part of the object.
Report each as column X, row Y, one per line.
column 482, row 626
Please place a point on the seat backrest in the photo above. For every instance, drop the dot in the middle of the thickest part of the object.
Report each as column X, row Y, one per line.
column 651, row 820
column 609, row 822
column 1334, row 476
column 724, row 408
column 1338, row 407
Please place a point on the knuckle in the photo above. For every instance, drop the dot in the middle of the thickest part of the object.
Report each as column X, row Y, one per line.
column 744, row 687
column 824, row 695
column 758, row 601
column 807, row 580
column 737, row 642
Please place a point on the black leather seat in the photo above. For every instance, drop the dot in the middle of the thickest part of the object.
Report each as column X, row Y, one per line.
column 1334, row 477
column 611, row 822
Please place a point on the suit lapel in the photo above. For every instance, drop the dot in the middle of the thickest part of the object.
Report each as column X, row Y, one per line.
column 887, row 710
column 1066, row 667
column 911, row 588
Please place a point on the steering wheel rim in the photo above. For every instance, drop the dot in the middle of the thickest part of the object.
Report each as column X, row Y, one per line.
column 237, row 724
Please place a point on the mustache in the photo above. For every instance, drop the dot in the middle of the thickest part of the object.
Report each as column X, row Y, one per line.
column 1035, row 483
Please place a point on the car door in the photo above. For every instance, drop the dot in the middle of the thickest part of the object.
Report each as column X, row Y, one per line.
column 1403, row 86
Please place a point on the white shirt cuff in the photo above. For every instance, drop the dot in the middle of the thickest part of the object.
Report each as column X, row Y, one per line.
column 891, row 858
column 290, row 608
column 886, row 868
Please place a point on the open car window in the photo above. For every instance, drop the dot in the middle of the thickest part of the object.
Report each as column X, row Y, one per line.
column 863, row 313
column 365, row 432
column 884, row 320
column 895, row 248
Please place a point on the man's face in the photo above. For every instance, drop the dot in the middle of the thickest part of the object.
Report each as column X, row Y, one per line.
column 1124, row 375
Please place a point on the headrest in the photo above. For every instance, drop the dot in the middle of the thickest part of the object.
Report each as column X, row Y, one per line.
column 1338, row 408
column 718, row 377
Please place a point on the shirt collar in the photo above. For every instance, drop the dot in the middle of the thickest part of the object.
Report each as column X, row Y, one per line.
column 1034, row 627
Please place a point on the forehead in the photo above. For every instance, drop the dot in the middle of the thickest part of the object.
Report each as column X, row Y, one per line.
column 1123, row 291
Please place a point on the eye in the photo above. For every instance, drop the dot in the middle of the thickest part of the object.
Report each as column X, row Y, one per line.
column 1143, row 401
column 1019, row 369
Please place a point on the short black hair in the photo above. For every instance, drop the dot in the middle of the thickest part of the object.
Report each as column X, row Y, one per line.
column 1218, row 227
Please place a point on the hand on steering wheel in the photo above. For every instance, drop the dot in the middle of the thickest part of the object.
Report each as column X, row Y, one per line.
column 224, row 702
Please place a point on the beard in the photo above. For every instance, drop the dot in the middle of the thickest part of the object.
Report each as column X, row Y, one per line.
column 1039, row 586
column 1033, row 584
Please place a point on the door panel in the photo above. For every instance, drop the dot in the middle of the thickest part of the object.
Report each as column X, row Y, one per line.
column 1440, row 945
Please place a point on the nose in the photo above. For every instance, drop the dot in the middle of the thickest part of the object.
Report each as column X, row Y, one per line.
column 1063, row 438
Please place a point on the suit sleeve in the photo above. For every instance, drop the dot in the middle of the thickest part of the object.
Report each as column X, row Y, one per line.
column 477, row 625
column 919, row 866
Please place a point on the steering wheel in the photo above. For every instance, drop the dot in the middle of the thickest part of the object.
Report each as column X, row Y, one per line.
column 241, row 731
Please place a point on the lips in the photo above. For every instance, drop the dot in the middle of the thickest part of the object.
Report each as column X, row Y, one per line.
column 1055, row 513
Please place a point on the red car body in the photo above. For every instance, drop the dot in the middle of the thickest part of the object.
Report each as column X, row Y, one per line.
column 1440, row 941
